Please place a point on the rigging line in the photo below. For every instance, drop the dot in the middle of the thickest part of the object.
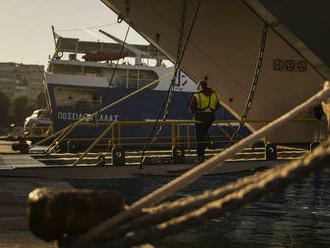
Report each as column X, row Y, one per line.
column 179, row 60
column 254, row 82
column 69, row 128
column 84, row 28
column 114, row 71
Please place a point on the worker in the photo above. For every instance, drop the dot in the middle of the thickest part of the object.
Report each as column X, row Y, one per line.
column 203, row 106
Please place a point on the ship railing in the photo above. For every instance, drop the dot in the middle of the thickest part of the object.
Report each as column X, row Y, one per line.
column 179, row 127
column 181, row 134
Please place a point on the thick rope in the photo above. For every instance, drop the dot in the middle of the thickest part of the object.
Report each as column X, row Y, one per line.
column 195, row 173
column 168, row 210
column 262, row 184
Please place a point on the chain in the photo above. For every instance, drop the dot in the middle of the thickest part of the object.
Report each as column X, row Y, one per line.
column 178, row 56
column 254, row 82
column 169, row 94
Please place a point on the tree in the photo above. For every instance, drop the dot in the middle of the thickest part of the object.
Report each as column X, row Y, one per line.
column 4, row 107
column 40, row 101
column 21, row 108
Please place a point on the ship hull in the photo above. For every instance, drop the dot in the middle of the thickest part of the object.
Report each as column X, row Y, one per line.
column 224, row 46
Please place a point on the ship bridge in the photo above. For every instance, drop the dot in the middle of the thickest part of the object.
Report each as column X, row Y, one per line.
column 276, row 50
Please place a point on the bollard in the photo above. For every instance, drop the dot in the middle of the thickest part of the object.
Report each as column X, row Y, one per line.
column 271, row 152
column 70, row 147
column 118, row 156
column 178, row 155
column 54, row 214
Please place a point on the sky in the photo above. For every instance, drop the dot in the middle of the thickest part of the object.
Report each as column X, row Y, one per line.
column 26, row 34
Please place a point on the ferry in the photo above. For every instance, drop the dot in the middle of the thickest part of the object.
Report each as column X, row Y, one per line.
column 83, row 77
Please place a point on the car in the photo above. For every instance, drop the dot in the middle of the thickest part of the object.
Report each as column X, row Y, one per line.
column 38, row 123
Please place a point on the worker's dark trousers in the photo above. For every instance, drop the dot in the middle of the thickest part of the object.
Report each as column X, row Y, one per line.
column 201, row 131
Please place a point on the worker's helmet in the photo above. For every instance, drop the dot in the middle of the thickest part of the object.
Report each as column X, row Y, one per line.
column 202, row 84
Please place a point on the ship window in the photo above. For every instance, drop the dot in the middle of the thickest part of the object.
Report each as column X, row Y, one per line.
column 146, row 77
column 119, row 78
column 92, row 71
column 132, row 78
column 67, row 69
column 77, row 99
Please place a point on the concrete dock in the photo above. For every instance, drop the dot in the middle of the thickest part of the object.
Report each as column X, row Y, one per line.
column 14, row 229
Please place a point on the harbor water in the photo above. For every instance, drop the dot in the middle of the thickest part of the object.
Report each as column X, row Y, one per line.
column 297, row 216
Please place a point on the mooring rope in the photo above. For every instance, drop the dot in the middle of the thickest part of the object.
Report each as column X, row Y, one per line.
column 198, row 171
column 260, row 186
column 165, row 211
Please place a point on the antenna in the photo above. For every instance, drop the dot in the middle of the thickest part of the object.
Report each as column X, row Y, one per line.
column 55, row 35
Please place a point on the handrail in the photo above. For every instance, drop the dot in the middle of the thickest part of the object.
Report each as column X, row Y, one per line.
column 188, row 122
column 94, row 143
column 175, row 132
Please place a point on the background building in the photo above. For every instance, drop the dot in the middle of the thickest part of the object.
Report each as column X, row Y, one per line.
column 21, row 80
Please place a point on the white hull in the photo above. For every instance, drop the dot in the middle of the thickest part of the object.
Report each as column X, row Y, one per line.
column 224, row 46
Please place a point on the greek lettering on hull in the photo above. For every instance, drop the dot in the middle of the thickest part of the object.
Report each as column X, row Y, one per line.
column 70, row 116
